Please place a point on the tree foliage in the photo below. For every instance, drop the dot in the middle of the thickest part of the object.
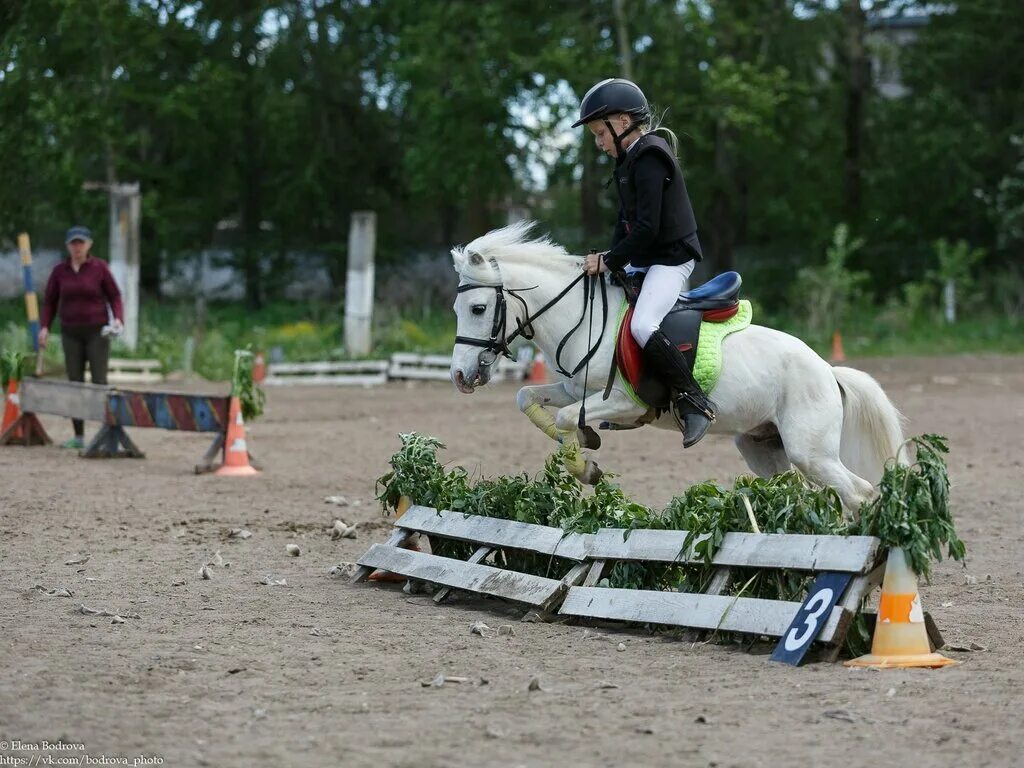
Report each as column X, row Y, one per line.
column 256, row 128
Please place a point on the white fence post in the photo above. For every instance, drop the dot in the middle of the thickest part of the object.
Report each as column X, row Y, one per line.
column 362, row 243
column 125, row 212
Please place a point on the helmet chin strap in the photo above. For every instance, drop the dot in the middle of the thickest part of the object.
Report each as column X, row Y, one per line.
column 618, row 137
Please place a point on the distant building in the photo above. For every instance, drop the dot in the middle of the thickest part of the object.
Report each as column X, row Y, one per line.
column 886, row 38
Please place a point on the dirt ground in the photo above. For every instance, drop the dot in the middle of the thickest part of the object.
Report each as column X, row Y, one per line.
column 229, row 672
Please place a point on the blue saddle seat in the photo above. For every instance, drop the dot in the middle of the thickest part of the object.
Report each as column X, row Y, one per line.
column 720, row 291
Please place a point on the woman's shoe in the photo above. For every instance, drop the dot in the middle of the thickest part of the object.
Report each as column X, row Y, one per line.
column 75, row 443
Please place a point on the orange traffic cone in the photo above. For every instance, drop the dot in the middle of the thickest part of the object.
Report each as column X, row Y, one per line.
column 12, row 409
column 236, row 452
column 838, row 355
column 538, row 370
column 901, row 638
column 259, row 368
column 386, row 577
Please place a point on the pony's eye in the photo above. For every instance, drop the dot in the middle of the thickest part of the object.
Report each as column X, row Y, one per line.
column 479, row 309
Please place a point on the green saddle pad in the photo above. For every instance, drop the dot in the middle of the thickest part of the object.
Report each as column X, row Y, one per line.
column 707, row 366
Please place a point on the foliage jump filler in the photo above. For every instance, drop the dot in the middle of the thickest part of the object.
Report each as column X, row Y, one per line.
column 911, row 511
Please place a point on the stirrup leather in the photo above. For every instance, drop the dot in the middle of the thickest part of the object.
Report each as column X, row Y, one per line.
column 700, row 405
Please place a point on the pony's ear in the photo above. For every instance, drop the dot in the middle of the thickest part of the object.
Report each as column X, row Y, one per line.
column 458, row 259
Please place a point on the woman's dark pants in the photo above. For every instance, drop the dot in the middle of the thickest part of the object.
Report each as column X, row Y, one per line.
column 85, row 344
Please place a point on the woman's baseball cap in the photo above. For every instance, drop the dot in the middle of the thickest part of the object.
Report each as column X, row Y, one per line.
column 77, row 233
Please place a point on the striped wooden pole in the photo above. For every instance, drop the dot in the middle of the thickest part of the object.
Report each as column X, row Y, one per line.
column 31, row 302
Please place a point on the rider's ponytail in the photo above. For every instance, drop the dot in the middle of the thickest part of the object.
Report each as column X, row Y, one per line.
column 654, row 125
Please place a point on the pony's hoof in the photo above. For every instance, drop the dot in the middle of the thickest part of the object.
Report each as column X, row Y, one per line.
column 591, row 473
column 589, row 439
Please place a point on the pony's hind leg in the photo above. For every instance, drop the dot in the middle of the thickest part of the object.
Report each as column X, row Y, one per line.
column 812, row 444
column 763, row 451
column 853, row 490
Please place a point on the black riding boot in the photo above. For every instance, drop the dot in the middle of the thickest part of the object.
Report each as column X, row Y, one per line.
column 692, row 408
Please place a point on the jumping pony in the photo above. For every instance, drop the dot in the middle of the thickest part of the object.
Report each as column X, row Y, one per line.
column 783, row 404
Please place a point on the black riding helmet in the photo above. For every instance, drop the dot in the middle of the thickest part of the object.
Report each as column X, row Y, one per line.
column 611, row 97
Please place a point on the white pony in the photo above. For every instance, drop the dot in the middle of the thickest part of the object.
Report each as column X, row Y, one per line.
column 782, row 402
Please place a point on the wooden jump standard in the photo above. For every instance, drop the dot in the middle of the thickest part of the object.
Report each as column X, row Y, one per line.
column 117, row 408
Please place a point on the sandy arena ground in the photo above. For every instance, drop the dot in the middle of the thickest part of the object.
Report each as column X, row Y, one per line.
column 228, row 672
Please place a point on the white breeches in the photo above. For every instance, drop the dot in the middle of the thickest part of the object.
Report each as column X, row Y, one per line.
column 662, row 287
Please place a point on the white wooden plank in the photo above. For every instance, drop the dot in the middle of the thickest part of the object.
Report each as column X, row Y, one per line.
column 341, row 380
column 496, row 532
column 419, row 374
column 65, row 398
column 802, row 552
column 137, row 377
column 720, row 580
column 397, row 358
column 854, row 554
column 476, row 557
column 595, row 573
column 413, row 359
column 483, row 579
column 682, row 609
column 397, row 539
column 125, row 364
column 328, row 366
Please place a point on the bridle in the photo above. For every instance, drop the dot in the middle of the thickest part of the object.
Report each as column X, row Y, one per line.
column 499, row 340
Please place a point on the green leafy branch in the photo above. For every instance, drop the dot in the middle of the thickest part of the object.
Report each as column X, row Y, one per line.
column 12, row 367
column 250, row 397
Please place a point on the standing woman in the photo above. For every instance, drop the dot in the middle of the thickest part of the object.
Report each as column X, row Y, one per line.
column 81, row 288
column 656, row 233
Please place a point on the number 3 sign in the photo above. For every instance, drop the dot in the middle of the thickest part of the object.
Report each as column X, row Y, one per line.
column 811, row 618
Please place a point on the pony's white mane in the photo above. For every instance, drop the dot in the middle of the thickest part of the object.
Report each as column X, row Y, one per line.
column 481, row 259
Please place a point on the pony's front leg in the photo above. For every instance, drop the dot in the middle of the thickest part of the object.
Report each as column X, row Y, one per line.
column 532, row 402
column 619, row 408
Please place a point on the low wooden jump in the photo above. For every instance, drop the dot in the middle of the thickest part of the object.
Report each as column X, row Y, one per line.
column 407, row 365
column 402, row 366
column 117, row 408
column 856, row 562
column 846, row 570
column 358, row 373
column 491, row 536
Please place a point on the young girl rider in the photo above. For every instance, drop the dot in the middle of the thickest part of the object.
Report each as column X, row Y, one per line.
column 656, row 233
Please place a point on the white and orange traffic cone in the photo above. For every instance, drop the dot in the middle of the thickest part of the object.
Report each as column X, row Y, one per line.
column 259, row 368
column 838, row 355
column 538, row 369
column 236, row 451
column 901, row 637
column 12, row 409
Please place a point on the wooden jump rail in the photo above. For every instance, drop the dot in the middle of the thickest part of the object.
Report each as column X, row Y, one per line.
column 118, row 408
column 490, row 535
column 847, row 569
column 407, row 365
column 402, row 366
column 854, row 566
column 359, row 373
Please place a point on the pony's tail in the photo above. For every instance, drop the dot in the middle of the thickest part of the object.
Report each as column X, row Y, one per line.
column 872, row 426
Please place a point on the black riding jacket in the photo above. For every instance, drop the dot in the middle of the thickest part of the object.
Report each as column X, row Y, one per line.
column 656, row 224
